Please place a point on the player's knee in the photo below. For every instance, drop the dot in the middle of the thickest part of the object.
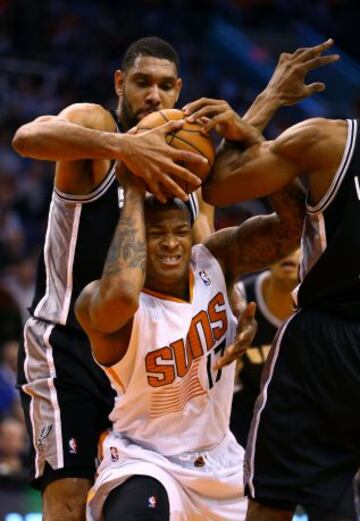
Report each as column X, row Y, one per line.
column 139, row 498
column 65, row 500
column 66, row 510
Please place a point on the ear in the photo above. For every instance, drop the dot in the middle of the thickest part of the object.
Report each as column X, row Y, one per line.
column 178, row 87
column 119, row 82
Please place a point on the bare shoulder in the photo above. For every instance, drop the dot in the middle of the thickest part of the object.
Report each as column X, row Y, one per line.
column 90, row 115
column 307, row 133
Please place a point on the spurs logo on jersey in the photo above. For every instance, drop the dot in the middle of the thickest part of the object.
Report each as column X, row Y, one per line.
column 205, row 329
column 166, row 382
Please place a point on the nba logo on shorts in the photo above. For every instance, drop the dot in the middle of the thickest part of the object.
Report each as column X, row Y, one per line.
column 72, row 446
column 114, row 454
column 152, row 502
column 205, row 278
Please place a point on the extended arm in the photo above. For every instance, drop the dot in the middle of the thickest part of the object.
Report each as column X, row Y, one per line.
column 106, row 306
column 312, row 148
column 87, row 132
column 262, row 240
column 287, row 84
column 286, row 87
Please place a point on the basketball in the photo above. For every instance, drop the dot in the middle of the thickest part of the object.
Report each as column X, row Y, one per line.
column 188, row 138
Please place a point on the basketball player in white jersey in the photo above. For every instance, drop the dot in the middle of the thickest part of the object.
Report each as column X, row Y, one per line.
column 158, row 319
column 66, row 397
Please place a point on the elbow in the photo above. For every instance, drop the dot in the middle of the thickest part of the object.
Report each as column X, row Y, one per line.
column 112, row 311
column 211, row 195
column 21, row 141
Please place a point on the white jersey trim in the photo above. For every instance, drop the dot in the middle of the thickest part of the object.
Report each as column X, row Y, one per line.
column 341, row 171
column 70, row 263
column 263, row 399
column 89, row 198
column 261, row 301
column 46, row 262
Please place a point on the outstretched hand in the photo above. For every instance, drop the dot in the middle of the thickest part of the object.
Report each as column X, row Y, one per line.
column 245, row 333
column 288, row 80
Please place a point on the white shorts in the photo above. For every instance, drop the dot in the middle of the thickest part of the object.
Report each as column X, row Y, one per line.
column 212, row 492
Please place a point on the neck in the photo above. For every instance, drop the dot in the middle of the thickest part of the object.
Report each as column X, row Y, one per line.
column 277, row 297
column 178, row 290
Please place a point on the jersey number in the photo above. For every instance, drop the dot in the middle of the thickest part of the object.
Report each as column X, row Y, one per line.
column 210, row 362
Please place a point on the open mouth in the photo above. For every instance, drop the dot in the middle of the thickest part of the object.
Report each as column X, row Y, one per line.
column 169, row 260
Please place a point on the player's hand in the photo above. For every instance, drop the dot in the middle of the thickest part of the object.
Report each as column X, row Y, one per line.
column 218, row 115
column 245, row 333
column 148, row 156
column 287, row 83
column 128, row 180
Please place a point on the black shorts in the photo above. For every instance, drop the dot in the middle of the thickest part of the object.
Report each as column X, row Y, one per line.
column 304, row 443
column 66, row 398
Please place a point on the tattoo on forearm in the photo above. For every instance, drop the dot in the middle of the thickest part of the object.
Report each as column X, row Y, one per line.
column 126, row 250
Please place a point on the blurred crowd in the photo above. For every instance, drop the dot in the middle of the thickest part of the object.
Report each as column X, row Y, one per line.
column 53, row 53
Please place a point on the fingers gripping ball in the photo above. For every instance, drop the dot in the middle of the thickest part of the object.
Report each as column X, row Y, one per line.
column 188, row 138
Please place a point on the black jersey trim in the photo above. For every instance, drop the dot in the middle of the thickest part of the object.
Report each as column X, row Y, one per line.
column 341, row 171
column 192, row 205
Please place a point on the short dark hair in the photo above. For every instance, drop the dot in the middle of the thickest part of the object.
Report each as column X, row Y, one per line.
column 153, row 204
column 150, row 46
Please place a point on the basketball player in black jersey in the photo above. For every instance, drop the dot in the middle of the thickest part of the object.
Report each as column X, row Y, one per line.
column 303, row 445
column 66, row 397
column 271, row 291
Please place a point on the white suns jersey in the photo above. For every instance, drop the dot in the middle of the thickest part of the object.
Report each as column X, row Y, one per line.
column 169, row 397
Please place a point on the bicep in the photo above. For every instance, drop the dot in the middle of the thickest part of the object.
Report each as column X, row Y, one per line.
column 257, row 172
column 253, row 246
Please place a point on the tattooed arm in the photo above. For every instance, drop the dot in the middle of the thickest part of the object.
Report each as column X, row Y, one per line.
column 262, row 240
column 105, row 307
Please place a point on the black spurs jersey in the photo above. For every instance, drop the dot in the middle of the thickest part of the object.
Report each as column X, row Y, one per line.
column 78, row 236
column 330, row 264
column 254, row 358
column 247, row 387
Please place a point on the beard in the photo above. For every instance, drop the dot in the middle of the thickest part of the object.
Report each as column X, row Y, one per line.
column 127, row 116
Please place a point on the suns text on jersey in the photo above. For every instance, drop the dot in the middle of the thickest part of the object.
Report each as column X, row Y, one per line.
column 207, row 327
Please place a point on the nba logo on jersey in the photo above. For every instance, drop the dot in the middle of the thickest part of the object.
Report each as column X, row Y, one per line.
column 205, row 278
column 72, row 446
column 114, row 454
column 152, row 502
column 120, row 197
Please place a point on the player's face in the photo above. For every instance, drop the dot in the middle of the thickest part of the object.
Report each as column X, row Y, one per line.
column 150, row 84
column 287, row 269
column 169, row 242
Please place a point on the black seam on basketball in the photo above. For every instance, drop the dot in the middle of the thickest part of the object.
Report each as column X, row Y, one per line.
column 163, row 116
column 194, row 147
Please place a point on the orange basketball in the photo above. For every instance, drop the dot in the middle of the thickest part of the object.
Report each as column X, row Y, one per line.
column 187, row 138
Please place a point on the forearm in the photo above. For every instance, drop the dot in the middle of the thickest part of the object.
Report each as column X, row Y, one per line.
column 289, row 205
column 265, row 105
column 124, row 271
column 59, row 140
